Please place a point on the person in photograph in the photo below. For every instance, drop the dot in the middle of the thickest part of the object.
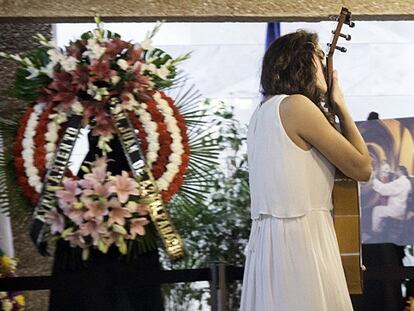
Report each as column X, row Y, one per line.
column 397, row 192
column 384, row 174
column 293, row 260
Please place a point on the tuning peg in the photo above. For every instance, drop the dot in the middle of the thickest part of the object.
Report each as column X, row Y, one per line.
column 341, row 48
column 350, row 24
column 347, row 37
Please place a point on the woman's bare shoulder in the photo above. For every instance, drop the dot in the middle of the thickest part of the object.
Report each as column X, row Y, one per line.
column 298, row 102
column 300, row 110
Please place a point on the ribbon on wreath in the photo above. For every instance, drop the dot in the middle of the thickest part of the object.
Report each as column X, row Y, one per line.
column 147, row 186
column 53, row 179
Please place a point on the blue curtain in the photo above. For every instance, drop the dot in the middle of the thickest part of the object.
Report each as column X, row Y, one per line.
column 272, row 33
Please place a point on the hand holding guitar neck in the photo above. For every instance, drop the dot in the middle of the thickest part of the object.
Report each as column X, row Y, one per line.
column 337, row 99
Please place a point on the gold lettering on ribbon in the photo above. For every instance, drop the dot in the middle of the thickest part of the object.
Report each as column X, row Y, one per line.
column 57, row 170
column 148, row 188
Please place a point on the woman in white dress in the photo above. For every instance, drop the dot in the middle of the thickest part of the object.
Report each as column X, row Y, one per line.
column 293, row 261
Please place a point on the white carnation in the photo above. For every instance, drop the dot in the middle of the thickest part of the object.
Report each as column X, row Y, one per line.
column 153, row 137
column 177, row 148
column 49, row 156
column 145, row 117
column 32, row 181
column 168, row 176
column 31, row 170
column 154, row 147
column 115, row 79
column 77, row 107
column 157, row 96
column 27, row 143
column 150, row 126
column 27, row 155
column 162, row 184
column 51, row 136
column 167, row 109
column 176, row 135
column 152, row 156
column 175, row 158
column 38, row 187
column 123, row 64
column 39, row 108
column 172, row 168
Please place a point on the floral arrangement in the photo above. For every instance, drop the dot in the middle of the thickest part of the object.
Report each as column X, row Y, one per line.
column 9, row 301
column 99, row 210
column 83, row 78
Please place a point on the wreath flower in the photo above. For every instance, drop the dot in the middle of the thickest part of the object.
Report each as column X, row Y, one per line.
column 100, row 210
column 9, row 301
column 82, row 78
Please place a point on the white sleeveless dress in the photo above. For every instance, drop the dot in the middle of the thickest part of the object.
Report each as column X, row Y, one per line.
column 292, row 260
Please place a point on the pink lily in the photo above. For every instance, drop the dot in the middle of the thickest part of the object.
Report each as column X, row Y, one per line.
column 137, row 227
column 68, row 196
column 97, row 209
column 142, row 209
column 76, row 239
column 94, row 228
column 76, row 215
column 117, row 213
column 55, row 220
column 124, row 186
column 98, row 189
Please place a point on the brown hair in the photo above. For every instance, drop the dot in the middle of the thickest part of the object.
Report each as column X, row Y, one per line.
column 288, row 67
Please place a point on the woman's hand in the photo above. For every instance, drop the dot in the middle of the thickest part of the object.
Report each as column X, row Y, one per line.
column 337, row 96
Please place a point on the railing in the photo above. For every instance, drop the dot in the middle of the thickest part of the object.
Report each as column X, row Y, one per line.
column 218, row 275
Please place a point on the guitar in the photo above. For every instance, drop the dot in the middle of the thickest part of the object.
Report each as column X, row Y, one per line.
column 345, row 194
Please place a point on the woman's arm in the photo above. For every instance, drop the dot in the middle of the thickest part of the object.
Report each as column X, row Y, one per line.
column 347, row 152
column 348, row 127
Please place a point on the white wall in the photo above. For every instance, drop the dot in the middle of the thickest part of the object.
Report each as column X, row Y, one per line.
column 377, row 72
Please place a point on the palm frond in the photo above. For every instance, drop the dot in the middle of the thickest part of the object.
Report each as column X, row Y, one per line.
column 16, row 201
column 4, row 199
column 204, row 148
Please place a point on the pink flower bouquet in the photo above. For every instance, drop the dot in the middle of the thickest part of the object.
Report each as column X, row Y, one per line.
column 99, row 210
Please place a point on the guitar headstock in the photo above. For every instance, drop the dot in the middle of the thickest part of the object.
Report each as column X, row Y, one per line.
column 343, row 18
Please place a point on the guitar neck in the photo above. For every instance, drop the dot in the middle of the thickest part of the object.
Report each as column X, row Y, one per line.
column 343, row 18
column 329, row 74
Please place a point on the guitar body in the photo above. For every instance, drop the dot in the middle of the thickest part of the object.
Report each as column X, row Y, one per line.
column 345, row 194
column 346, row 212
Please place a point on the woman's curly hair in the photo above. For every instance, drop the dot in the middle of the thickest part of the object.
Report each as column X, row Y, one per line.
column 288, row 67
